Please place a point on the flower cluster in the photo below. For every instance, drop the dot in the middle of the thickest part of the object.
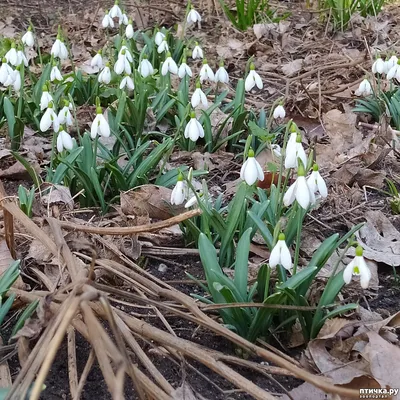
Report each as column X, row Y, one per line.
column 182, row 192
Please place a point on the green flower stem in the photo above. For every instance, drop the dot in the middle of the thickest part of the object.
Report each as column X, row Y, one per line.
column 300, row 217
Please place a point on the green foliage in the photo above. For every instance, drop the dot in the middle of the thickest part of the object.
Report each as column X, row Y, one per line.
column 289, row 297
column 26, row 198
column 341, row 11
column 248, row 12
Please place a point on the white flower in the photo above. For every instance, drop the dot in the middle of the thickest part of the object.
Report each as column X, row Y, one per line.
column 107, row 22
column 122, row 65
column 184, row 70
column 378, row 66
column 49, row 118
column 178, row 194
column 253, row 79
column 45, row 100
column 390, row 63
column 5, row 72
column 59, row 50
column 191, row 202
column 115, row 11
column 129, row 31
column 128, row 82
column 105, row 76
column 28, row 39
column 276, row 149
column 206, row 73
column 123, row 19
column 294, row 151
column 193, row 16
column 193, row 129
column 159, row 38
column 145, row 68
column 65, row 116
column 55, row 74
column 128, row 55
column 316, row 183
column 364, row 89
column 199, row 97
column 394, row 72
column 64, row 141
column 251, row 170
column 21, row 58
column 12, row 55
column 163, row 47
column 10, row 78
column 169, row 65
column 279, row 112
column 300, row 191
column 222, row 75
column 97, row 61
column 99, row 125
column 280, row 254
column 358, row 266
column 17, row 81
column 197, row 52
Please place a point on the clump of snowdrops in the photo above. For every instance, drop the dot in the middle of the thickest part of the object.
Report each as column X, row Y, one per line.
column 278, row 215
column 136, row 82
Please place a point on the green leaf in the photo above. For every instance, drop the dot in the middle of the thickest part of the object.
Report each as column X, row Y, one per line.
column 37, row 180
column 242, row 263
column 297, row 279
column 62, row 168
column 24, row 316
column 5, row 308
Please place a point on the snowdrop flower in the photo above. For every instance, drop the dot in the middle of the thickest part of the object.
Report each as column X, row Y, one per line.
column 184, row 69
column 46, row 99
column 107, row 21
column 128, row 54
column 17, row 80
column 390, row 63
column 316, row 183
column 294, row 152
column 129, row 30
column 378, row 66
column 197, row 52
column 122, row 64
column 193, row 129
column 123, row 19
column 115, row 11
column 12, row 55
column 221, row 75
column 276, row 149
column 169, row 65
column 55, row 74
column 159, row 38
column 21, row 58
column 299, row 191
column 206, row 73
column 128, row 82
column 64, row 141
column 279, row 112
column 251, row 169
column 10, row 78
column 99, row 125
column 28, row 39
column 163, row 47
column 193, row 16
column 49, row 119
column 145, row 68
column 105, row 75
column 253, row 79
column 59, row 49
column 97, row 61
column 394, row 72
column 358, row 266
column 192, row 201
column 65, row 116
column 364, row 89
column 280, row 254
column 199, row 97
column 178, row 194
column 5, row 72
